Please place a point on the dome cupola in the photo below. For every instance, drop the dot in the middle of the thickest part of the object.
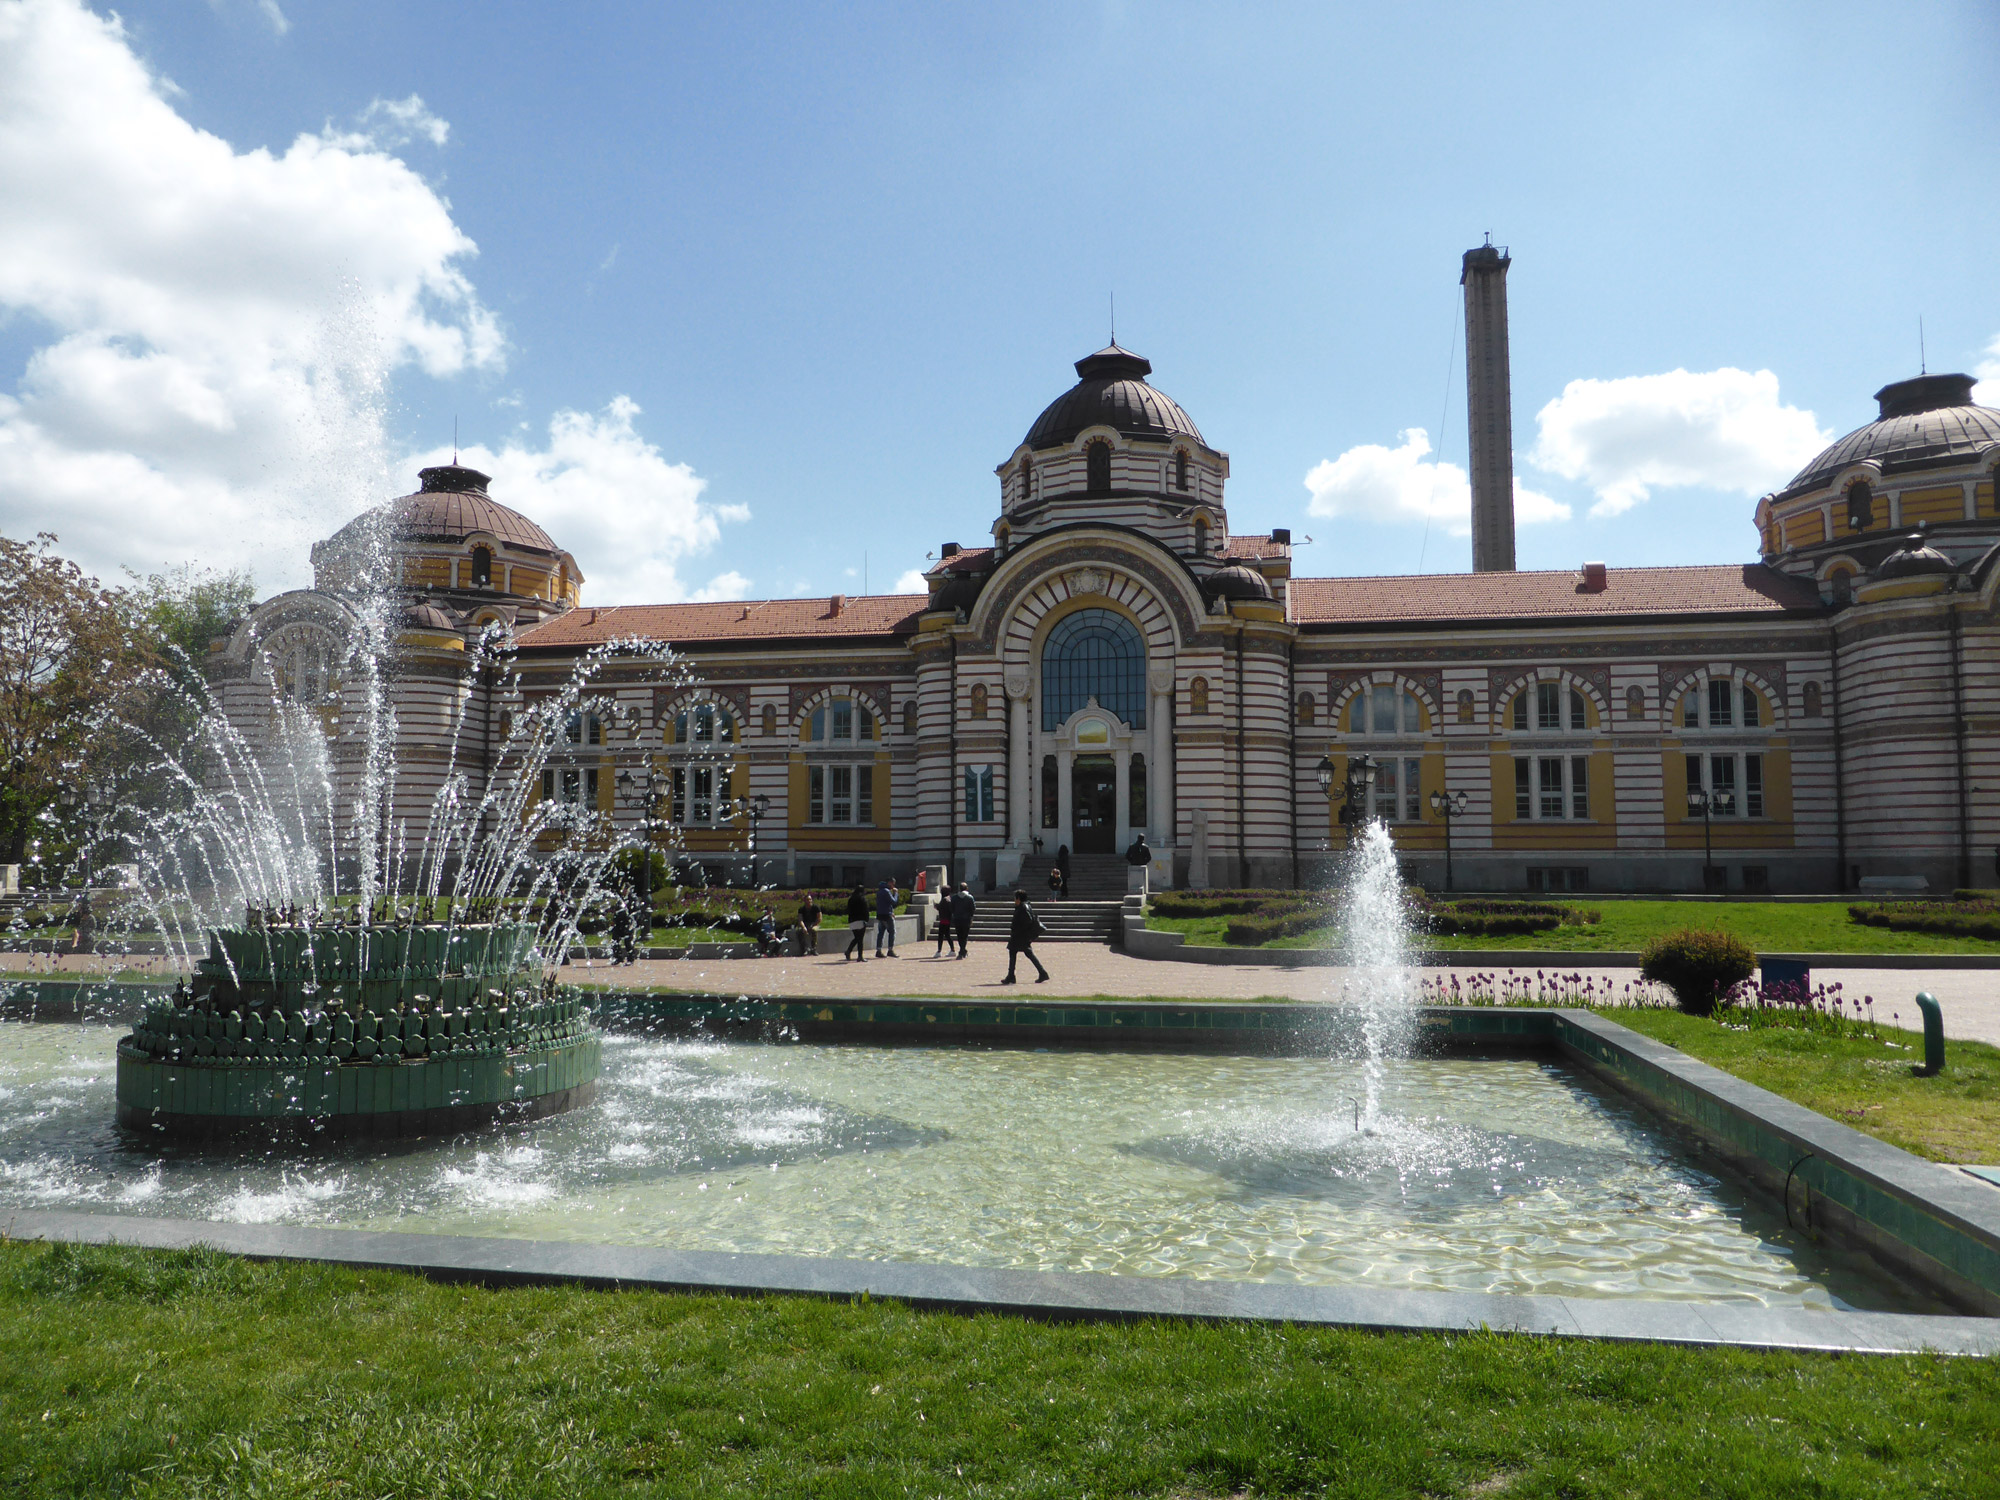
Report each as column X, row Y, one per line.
column 1111, row 391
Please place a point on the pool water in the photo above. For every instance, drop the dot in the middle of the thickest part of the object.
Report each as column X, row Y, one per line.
column 1500, row 1175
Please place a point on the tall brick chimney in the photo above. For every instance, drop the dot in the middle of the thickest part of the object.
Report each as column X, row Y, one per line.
column 1489, row 408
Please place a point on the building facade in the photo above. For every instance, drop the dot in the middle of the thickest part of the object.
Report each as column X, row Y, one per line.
column 1114, row 661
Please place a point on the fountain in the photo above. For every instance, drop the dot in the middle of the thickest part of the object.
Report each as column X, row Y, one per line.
column 381, row 979
column 1375, row 924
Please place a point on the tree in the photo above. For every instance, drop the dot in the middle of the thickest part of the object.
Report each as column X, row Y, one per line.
column 67, row 658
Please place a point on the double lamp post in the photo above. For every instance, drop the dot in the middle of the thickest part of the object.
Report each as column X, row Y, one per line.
column 1361, row 772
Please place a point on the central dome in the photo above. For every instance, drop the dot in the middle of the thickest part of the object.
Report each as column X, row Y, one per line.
column 1924, row 422
column 451, row 506
column 1111, row 391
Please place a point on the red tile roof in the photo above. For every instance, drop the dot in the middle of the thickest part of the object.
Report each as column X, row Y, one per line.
column 1749, row 589
column 744, row 620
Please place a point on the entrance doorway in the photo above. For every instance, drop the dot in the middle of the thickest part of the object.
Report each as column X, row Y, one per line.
column 1094, row 804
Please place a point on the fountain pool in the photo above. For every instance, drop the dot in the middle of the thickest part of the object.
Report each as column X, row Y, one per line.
column 1501, row 1175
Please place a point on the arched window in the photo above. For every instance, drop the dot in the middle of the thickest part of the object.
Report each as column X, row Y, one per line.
column 1860, row 506
column 1517, row 717
column 1387, row 709
column 1200, row 537
column 769, row 723
column 1813, row 702
column 1465, row 705
column 1198, row 696
column 909, row 716
column 1097, row 468
column 506, row 724
column 1635, row 703
column 1180, row 469
column 841, row 719
column 1027, row 480
column 482, row 567
column 1308, row 709
column 979, row 700
column 703, row 724
column 1843, row 586
column 1094, row 653
column 1001, row 535
column 1579, row 716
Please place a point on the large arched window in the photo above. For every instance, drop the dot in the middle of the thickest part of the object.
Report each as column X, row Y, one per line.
column 1180, row 469
column 482, row 567
column 1097, row 467
column 1094, row 653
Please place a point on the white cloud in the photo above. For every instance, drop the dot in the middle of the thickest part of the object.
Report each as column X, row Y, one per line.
column 1987, row 392
column 275, row 16
column 389, row 123
column 1375, row 483
column 221, row 325
column 912, row 582
column 631, row 517
column 1720, row 429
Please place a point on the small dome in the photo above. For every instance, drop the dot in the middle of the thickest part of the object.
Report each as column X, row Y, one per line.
column 1237, row 582
column 451, row 506
column 1924, row 422
column 427, row 616
column 1111, row 391
column 1914, row 561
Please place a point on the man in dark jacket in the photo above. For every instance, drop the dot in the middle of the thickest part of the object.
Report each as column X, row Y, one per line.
column 886, row 897
column 962, row 907
column 1021, row 937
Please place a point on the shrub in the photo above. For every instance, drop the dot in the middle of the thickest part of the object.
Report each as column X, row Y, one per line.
column 1698, row 966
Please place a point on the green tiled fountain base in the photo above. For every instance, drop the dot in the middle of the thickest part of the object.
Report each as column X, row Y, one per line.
column 424, row 1096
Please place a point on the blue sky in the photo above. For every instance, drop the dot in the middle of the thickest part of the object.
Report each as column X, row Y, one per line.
column 838, row 258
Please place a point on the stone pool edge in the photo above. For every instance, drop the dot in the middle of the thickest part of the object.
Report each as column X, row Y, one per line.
column 1055, row 1295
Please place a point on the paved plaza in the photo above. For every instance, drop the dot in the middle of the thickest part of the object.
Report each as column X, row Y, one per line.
column 1970, row 998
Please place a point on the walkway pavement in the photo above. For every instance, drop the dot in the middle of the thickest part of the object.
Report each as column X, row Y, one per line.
column 1970, row 998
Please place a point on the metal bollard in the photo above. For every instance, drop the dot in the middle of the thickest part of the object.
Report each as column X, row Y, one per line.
column 1933, row 1035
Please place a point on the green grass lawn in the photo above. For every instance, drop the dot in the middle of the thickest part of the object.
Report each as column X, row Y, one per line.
column 1767, row 926
column 127, row 1372
column 1860, row 1081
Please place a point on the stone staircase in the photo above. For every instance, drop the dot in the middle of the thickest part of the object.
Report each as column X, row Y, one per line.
column 1066, row 921
column 1092, row 877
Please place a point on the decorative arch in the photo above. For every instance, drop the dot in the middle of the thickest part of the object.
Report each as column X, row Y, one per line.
column 1635, row 702
column 1466, row 713
column 1101, row 564
column 680, row 722
column 1570, row 682
column 978, row 708
column 829, row 697
column 1696, row 681
column 1198, row 695
column 1308, row 709
column 1814, row 705
column 1338, row 708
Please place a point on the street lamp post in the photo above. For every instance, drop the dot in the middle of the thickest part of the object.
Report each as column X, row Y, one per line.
column 1360, row 779
column 1448, row 805
column 1708, row 804
column 754, row 809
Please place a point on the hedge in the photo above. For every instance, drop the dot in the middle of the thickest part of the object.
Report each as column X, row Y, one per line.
column 1973, row 919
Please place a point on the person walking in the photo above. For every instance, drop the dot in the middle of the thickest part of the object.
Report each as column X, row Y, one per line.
column 962, row 908
column 857, row 926
column 886, row 897
column 941, row 921
column 621, row 932
column 1021, row 937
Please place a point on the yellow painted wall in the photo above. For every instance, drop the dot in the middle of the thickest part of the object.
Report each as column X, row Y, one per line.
column 1945, row 503
column 1805, row 530
column 1982, row 495
column 812, row 837
column 1528, row 835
